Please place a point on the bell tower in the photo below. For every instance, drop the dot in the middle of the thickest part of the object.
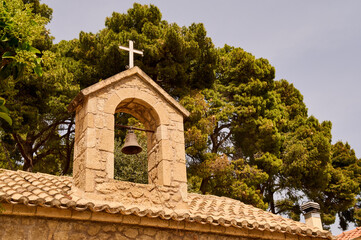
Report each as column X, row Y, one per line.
column 135, row 93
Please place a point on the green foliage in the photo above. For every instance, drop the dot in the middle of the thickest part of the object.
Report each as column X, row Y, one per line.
column 178, row 58
column 38, row 87
column 340, row 195
column 132, row 168
column 4, row 112
column 286, row 156
column 19, row 28
column 248, row 137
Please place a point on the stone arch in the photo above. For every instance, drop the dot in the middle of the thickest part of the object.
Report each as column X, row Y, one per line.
column 149, row 117
column 144, row 99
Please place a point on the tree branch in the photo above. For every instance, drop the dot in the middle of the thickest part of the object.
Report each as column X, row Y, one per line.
column 19, row 141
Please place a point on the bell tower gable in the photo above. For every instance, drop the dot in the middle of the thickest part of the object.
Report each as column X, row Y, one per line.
column 135, row 93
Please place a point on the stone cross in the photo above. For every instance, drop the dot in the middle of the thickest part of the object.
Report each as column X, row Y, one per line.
column 131, row 52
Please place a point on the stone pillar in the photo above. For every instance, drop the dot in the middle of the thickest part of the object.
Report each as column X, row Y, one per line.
column 94, row 145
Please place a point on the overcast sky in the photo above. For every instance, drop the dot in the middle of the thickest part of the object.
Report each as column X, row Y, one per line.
column 314, row 44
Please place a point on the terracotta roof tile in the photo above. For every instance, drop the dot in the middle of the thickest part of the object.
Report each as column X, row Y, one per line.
column 38, row 189
column 351, row 234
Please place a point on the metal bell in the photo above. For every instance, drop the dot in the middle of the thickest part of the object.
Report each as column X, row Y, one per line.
column 131, row 145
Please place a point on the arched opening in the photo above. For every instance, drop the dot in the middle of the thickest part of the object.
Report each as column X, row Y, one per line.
column 130, row 168
column 140, row 115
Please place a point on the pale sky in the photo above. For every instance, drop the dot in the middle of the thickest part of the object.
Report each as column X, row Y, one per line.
column 314, row 44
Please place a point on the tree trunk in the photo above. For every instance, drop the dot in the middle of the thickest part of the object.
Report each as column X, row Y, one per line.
column 27, row 167
column 271, row 201
column 204, row 185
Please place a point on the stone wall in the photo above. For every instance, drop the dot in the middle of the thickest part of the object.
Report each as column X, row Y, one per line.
column 145, row 195
column 37, row 228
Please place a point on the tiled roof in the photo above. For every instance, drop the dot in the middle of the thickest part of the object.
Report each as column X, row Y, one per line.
column 38, row 189
column 349, row 235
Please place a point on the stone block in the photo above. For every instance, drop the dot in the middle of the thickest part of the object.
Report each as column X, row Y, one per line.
column 157, row 222
column 106, row 156
column 147, row 116
column 163, row 114
column 276, row 235
column 99, row 121
column 119, row 236
column 80, row 145
column 131, row 219
column 237, row 231
column 180, row 152
column 81, row 215
column 152, row 160
column 107, row 217
column 78, row 176
column 40, row 232
column 179, row 172
column 77, row 129
column 194, row 226
column 166, row 150
column 12, row 232
column 164, row 173
column 131, row 82
column 93, row 229
column 88, row 121
column 109, row 228
column 255, row 233
column 89, row 180
column 176, row 117
column 218, row 229
column 163, row 235
column 145, row 237
column 79, row 236
column 153, row 177
column 80, row 114
column 179, row 126
column 105, row 140
column 176, row 136
column 162, row 132
column 6, row 208
column 80, row 227
column 112, row 103
column 147, row 97
column 101, row 102
column 109, row 121
column 20, row 209
column 93, row 159
column 183, row 190
column 131, row 232
column 176, row 224
column 53, row 212
column 90, row 104
column 90, row 137
column 61, row 235
column 149, row 231
column 109, row 167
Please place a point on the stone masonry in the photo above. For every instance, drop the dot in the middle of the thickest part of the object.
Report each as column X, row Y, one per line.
column 131, row 92
column 59, row 229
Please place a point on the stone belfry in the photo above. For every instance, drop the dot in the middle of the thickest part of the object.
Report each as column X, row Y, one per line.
column 135, row 93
